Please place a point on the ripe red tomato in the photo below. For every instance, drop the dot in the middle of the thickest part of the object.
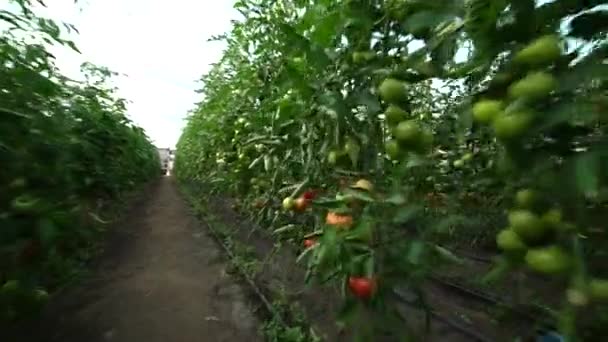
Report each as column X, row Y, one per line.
column 309, row 243
column 309, row 195
column 362, row 287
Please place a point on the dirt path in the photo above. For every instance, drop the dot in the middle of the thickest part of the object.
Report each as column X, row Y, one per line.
column 161, row 279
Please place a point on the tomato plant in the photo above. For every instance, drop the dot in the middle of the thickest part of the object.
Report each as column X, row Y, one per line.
column 448, row 108
column 66, row 148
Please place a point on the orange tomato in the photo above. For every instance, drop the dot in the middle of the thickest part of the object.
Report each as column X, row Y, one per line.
column 339, row 220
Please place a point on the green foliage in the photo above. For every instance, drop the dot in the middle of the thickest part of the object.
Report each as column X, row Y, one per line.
column 66, row 147
column 483, row 98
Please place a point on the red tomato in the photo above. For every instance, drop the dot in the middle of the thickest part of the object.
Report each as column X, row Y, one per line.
column 309, row 195
column 362, row 287
column 309, row 243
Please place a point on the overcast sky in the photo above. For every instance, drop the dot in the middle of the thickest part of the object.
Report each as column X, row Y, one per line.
column 161, row 45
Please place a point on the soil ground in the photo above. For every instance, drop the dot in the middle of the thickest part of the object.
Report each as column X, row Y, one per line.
column 161, row 278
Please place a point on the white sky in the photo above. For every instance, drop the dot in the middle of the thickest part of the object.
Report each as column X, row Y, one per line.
column 161, row 45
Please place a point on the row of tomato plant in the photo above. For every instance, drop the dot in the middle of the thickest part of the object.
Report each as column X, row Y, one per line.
column 67, row 149
column 367, row 130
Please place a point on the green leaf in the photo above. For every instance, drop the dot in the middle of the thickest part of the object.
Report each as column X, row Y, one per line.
column 396, row 199
column 47, row 231
column 407, row 213
column 358, row 194
column 416, row 252
column 587, row 172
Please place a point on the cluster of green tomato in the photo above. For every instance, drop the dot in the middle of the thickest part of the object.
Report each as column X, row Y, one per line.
column 534, row 227
column 512, row 117
column 408, row 134
column 531, row 238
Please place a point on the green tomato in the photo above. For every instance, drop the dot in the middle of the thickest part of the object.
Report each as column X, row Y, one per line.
column 598, row 288
column 548, row 260
column 485, row 111
column 527, row 225
column 545, row 49
column 507, row 127
column 332, row 157
column 458, row 163
column 426, row 141
column 288, row 203
column 467, row 157
column 363, row 56
column 525, row 198
column 392, row 90
column 392, row 149
column 552, row 218
column 509, row 241
column 394, row 115
column 535, row 85
column 407, row 132
column 351, row 146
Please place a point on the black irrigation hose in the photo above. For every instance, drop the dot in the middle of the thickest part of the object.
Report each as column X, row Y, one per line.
column 258, row 292
column 474, row 335
column 488, row 298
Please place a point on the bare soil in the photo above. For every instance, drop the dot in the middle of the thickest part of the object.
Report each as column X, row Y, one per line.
column 160, row 278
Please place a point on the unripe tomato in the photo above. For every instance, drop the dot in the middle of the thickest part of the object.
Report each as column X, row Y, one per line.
column 527, row 225
column 485, row 111
column 394, row 115
column 351, row 147
column 363, row 56
column 300, row 204
column 552, row 218
column 407, row 132
column 577, row 297
column 543, row 50
column 598, row 289
column 362, row 287
column 467, row 157
column 309, row 243
column 507, row 127
column 392, row 149
column 535, row 85
column 548, row 260
column 363, row 184
column 458, row 163
column 508, row 241
column 392, row 90
column 332, row 157
column 525, row 198
column 425, row 142
column 288, row 203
